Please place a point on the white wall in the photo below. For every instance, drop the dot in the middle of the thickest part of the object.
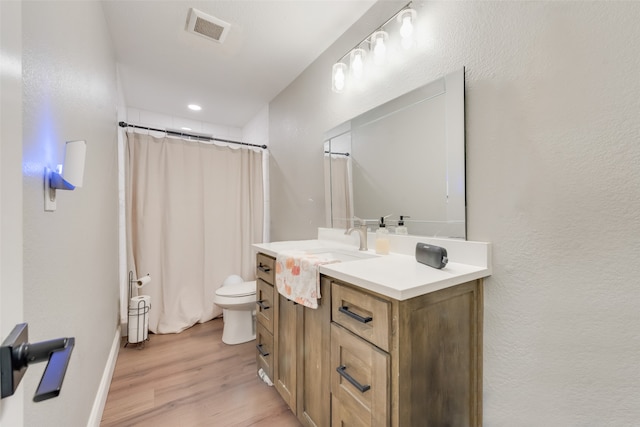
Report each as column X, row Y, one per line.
column 553, row 181
column 11, row 305
column 70, row 255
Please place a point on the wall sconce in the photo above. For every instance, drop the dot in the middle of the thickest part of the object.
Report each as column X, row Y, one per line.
column 67, row 176
column 375, row 42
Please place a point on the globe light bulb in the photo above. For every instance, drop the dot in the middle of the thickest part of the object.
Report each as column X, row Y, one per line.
column 379, row 46
column 338, row 78
column 406, row 30
column 357, row 63
column 406, row 18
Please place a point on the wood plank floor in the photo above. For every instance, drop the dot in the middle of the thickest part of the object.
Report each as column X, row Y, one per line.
column 192, row 379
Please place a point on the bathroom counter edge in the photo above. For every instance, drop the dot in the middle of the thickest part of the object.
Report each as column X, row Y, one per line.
column 396, row 275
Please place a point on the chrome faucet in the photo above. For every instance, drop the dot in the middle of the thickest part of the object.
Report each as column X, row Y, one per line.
column 362, row 231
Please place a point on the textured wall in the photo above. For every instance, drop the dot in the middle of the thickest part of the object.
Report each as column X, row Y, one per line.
column 71, row 255
column 553, row 181
column 11, row 307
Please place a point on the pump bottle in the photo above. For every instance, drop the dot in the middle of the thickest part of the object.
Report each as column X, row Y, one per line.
column 382, row 238
column 401, row 228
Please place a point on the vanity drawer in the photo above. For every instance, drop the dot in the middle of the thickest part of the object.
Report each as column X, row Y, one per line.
column 363, row 314
column 360, row 385
column 264, row 350
column 264, row 304
column 265, row 268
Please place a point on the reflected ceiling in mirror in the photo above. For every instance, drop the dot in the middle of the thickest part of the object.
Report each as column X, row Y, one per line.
column 405, row 157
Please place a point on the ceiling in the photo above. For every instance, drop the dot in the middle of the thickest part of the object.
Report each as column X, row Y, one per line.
column 162, row 67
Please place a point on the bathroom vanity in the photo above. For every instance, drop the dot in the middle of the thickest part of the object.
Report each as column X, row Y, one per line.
column 392, row 342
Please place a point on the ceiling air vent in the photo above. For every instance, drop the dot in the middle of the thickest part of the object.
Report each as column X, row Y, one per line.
column 207, row 26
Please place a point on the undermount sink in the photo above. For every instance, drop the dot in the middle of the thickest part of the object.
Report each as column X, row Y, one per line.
column 343, row 255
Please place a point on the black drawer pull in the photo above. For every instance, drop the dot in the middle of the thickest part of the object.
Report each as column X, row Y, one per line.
column 261, row 304
column 261, row 351
column 356, row 384
column 264, row 268
column 345, row 310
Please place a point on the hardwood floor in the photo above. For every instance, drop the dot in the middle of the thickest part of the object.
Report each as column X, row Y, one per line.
column 192, row 379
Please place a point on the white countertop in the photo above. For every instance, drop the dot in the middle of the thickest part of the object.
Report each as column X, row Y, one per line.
column 397, row 275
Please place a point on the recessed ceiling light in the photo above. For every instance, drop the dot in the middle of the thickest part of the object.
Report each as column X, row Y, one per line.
column 194, row 107
column 185, row 128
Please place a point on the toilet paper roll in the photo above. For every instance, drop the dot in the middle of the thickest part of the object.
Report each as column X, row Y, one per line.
column 142, row 281
column 138, row 327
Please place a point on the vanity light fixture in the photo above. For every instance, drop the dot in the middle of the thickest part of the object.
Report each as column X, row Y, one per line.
column 375, row 42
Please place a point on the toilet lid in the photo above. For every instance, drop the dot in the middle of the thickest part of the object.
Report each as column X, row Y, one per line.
column 238, row 290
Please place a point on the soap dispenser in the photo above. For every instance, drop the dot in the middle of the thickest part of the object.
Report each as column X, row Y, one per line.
column 401, row 228
column 382, row 238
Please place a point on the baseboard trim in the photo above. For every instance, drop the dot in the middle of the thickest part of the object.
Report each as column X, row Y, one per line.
column 103, row 390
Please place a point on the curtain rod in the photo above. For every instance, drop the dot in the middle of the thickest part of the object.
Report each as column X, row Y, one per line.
column 190, row 135
column 337, row 154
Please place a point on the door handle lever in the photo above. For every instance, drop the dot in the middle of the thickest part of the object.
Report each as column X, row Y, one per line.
column 16, row 353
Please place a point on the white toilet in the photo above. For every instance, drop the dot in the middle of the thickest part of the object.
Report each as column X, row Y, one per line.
column 237, row 299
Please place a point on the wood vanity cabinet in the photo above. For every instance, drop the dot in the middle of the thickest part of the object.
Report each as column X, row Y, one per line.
column 364, row 359
column 416, row 362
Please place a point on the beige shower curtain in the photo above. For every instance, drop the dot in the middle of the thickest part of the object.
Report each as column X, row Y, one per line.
column 193, row 211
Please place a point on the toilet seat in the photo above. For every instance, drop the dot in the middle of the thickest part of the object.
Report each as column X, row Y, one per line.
column 238, row 290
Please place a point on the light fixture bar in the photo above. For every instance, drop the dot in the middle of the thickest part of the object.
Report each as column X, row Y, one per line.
column 375, row 41
column 366, row 39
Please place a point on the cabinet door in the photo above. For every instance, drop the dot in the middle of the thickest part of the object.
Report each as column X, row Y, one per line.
column 359, row 381
column 264, row 350
column 286, row 350
column 264, row 308
column 314, row 388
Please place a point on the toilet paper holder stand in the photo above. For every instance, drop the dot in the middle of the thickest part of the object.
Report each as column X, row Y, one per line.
column 140, row 312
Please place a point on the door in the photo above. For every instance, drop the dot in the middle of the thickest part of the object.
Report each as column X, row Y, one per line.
column 11, row 306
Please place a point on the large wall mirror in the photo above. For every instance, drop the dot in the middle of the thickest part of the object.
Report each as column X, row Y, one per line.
column 405, row 157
